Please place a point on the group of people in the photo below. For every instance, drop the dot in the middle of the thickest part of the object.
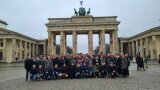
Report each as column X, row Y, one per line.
column 77, row 66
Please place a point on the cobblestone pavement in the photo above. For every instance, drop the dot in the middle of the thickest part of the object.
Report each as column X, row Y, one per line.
column 138, row 80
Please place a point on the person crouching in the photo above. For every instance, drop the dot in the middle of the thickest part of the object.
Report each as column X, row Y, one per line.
column 72, row 69
column 56, row 72
column 103, row 70
column 64, row 71
column 48, row 73
column 78, row 71
column 40, row 73
column 92, row 70
column 33, row 73
column 97, row 73
column 85, row 72
column 112, row 70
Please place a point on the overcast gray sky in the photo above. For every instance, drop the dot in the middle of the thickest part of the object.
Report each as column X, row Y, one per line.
column 29, row 16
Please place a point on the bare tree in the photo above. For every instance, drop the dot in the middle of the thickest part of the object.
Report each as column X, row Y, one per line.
column 107, row 49
column 69, row 49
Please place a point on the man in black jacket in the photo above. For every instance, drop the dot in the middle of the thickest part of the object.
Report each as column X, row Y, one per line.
column 28, row 65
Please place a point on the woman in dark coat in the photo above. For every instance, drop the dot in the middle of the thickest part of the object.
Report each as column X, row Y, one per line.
column 124, row 66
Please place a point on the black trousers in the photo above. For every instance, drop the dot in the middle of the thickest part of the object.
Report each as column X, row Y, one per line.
column 125, row 72
column 27, row 72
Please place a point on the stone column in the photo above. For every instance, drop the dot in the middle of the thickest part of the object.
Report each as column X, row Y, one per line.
column 137, row 48
column 65, row 43
column 54, row 44
column 90, row 42
column 129, row 47
column 122, row 47
column 44, row 50
column 20, row 50
column 102, row 42
column 153, row 48
column 4, row 50
column 141, row 48
column 25, row 49
column 29, row 53
column 111, row 42
column 50, row 43
column 33, row 49
column 14, row 47
column 115, row 41
column 133, row 49
column 37, row 50
column 147, row 46
column 62, row 43
column 74, row 39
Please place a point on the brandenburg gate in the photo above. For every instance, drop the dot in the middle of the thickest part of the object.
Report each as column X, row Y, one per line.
column 82, row 23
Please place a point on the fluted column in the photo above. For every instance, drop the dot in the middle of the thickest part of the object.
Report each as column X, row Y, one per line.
column 115, row 45
column 74, row 39
column 137, row 48
column 4, row 49
column 90, row 42
column 111, row 42
column 62, row 43
column 20, row 50
column 50, row 43
column 65, row 43
column 115, row 42
column 14, row 47
column 129, row 47
column 36, row 49
column 153, row 49
column 29, row 51
column 102, row 42
column 141, row 48
column 44, row 50
column 122, row 47
column 133, row 49
column 25, row 49
column 33, row 49
column 147, row 46
column 54, row 44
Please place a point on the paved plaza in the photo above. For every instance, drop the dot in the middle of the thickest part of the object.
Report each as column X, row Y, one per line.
column 12, row 78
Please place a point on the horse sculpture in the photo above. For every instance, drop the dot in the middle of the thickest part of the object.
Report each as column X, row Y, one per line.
column 75, row 12
column 89, row 11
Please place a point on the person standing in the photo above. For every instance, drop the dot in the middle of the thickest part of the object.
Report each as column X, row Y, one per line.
column 124, row 66
column 140, row 63
column 128, row 63
column 28, row 65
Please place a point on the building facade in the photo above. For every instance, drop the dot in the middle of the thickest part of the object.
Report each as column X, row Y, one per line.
column 146, row 44
column 16, row 47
